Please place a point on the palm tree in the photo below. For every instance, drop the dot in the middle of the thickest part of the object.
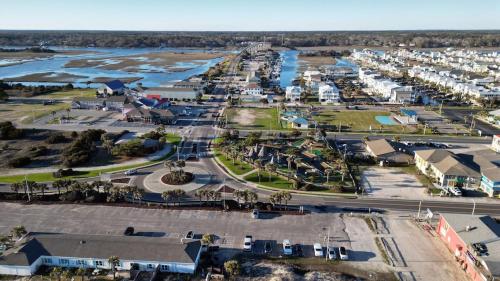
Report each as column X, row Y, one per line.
column 81, row 271
column 343, row 171
column 16, row 187
column 18, row 231
column 328, row 172
column 207, row 239
column 68, row 110
column 286, row 196
column 271, row 168
column 215, row 196
column 180, row 164
column 166, row 196
column 42, row 187
column 289, row 160
column 56, row 272
column 114, row 261
column 169, row 164
column 67, row 274
column 238, row 194
column 138, row 194
column 199, row 194
column 179, row 193
column 258, row 166
column 252, row 197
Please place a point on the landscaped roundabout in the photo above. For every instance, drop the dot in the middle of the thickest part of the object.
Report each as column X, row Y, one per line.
column 177, row 178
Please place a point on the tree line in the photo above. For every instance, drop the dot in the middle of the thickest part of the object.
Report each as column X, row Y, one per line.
column 135, row 39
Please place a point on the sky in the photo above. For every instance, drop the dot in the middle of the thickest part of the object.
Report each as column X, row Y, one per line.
column 249, row 15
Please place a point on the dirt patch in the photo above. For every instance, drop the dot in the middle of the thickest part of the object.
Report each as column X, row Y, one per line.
column 245, row 117
column 316, row 61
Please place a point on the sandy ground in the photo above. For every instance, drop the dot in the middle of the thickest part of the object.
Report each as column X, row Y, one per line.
column 425, row 255
column 315, row 62
column 62, row 77
column 244, row 117
column 161, row 61
column 391, row 183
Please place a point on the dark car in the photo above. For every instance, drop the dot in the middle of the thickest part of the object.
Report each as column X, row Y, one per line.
column 297, row 250
column 267, row 247
column 190, row 235
column 129, row 231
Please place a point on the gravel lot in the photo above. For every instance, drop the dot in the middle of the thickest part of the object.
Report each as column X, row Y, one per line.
column 391, row 183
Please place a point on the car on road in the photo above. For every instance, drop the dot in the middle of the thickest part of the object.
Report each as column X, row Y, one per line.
column 247, row 243
column 255, row 213
column 331, row 253
column 343, row 253
column 130, row 172
column 318, row 250
column 287, row 248
column 298, row 250
column 190, row 235
column 268, row 247
column 455, row 191
column 129, row 231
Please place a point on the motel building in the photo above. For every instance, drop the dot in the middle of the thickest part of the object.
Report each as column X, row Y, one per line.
column 474, row 241
column 136, row 253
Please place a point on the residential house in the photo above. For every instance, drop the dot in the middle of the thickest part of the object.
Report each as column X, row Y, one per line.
column 88, row 103
column 474, row 241
column 446, row 168
column 382, row 150
column 252, row 89
column 115, row 87
column 402, row 95
column 116, row 103
column 293, row 93
column 93, row 251
column 300, row 123
column 328, row 94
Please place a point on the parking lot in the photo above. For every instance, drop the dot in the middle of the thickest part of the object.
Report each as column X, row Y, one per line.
column 229, row 228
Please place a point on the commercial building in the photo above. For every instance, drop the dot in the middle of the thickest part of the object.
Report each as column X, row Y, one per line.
column 402, row 95
column 170, row 93
column 93, row 251
column 115, row 87
column 382, row 150
column 475, row 243
column 151, row 116
column 113, row 103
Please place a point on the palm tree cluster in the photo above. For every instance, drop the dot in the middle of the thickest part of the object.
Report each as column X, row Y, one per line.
column 279, row 197
column 177, row 176
column 29, row 187
column 247, row 196
column 208, row 195
column 174, row 196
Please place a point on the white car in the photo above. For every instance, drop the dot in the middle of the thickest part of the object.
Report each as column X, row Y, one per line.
column 247, row 243
column 455, row 191
column 130, row 172
column 343, row 254
column 287, row 248
column 331, row 253
column 318, row 250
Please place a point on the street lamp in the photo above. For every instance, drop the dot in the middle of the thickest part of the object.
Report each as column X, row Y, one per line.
column 473, row 207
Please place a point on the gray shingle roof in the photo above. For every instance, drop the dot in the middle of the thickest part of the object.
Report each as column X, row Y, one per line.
column 102, row 247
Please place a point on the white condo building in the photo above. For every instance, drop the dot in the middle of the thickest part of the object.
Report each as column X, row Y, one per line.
column 293, row 93
column 328, row 94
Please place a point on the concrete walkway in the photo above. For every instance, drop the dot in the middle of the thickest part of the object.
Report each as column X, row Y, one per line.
column 151, row 157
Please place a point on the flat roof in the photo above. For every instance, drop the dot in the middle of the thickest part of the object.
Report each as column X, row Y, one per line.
column 102, row 247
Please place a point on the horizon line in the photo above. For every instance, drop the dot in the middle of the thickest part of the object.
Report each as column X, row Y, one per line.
column 249, row 31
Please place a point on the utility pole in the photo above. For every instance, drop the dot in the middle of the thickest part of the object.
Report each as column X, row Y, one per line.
column 473, row 207
column 27, row 188
column 327, row 244
column 419, row 208
column 340, row 126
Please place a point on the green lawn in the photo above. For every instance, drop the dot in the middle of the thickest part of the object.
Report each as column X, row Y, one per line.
column 89, row 93
column 238, row 168
column 358, row 120
column 254, row 118
column 173, row 138
column 275, row 182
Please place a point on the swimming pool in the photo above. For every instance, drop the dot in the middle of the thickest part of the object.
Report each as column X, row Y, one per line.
column 386, row 120
column 408, row 112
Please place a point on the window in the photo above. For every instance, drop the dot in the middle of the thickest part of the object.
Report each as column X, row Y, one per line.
column 150, row 266
column 98, row 263
column 47, row 260
column 164, row 267
column 81, row 262
column 63, row 261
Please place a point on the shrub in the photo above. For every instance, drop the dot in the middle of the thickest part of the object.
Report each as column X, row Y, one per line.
column 78, row 152
column 19, row 162
column 133, row 148
column 55, row 138
column 38, row 151
column 8, row 131
column 63, row 173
